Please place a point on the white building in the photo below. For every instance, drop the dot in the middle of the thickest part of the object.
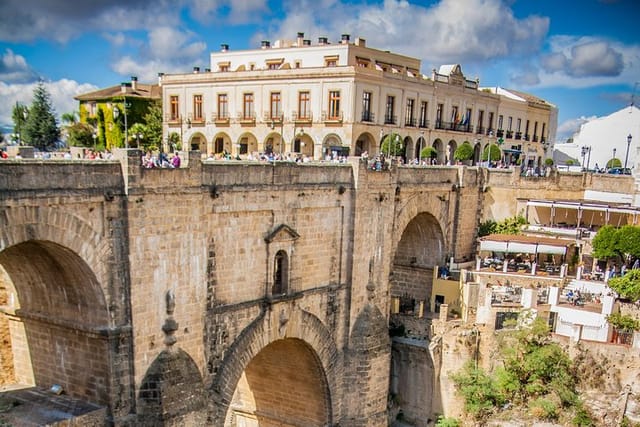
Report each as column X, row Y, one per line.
column 600, row 140
column 329, row 99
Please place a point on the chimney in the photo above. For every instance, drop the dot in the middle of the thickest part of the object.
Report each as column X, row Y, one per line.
column 196, row 70
column 345, row 39
column 300, row 39
column 361, row 42
column 322, row 40
column 207, row 70
column 134, row 82
column 306, row 42
column 123, row 87
column 265, row 44
column 224, row 47
column 160, row 75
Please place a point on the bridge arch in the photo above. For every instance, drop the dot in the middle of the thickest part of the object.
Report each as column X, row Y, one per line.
column 59, row 317
column 284, row 354
column 421, row 247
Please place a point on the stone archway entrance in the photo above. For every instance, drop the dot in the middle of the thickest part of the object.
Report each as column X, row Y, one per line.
column 55, row 319
column 283, row 385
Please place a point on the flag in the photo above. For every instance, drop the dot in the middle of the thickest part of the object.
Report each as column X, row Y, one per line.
column 465, row 119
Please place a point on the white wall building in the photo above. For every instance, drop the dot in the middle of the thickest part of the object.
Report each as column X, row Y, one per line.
column 344, row 98
column 604, row 138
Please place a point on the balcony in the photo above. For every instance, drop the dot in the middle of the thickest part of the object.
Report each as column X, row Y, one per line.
column 423, row 124
column 518, row 135
column 509, row 134
column 410, row 122
column 481, row 130
column 247, row 119
column 335, row 118
column 304, row 118
column 535, row 138
column 220, row 119
column 275, row 118
column 368, row 117
column 390, row 119
column 500, row 133
column 173, row 120
column 526, row 137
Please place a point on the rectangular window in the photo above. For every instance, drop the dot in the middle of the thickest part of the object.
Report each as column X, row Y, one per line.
column 500, row 120
column 366, row 107
column 518, row 125
column 334, row 104
column 276, row 105
column 480, row 125
column 389, row 112
column 509, row 123
column 92, row 109
column 197, row 107
column 409, row 118
column 455, row 116
column 424, row 106
column 466, row 120
column 439, row 112
column 174, row 107
column 526, row 131
column 223, row 106
column 304, row 105
column 542, row 137
column 331, row 61
column 247, row 106
column 490, row 124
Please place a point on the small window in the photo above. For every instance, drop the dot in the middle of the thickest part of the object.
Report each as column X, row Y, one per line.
column 280, row 273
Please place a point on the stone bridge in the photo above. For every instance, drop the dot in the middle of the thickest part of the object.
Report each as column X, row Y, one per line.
column 221, row 293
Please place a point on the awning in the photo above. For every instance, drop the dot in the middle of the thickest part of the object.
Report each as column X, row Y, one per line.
column 521, row 247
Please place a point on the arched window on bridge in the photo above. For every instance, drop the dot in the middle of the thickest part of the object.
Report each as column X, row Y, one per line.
column 280, row 273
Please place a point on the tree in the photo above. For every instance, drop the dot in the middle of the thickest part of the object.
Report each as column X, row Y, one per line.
column 629, row 242
column 605, row 243
column 396, row 148
column 80, row 135
column 428, row 153
column 19, row 117
column 627, row 286
column 491, row 153
column 463, row 152
column 41, row 127
column 138, row 136
column 153, row 121
column 614, row 163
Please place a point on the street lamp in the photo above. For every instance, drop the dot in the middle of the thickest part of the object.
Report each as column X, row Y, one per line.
column 626, row 157
column 613, row 158
column 94, row 136
column 281, row 139
column 420, row 147
column 139, row 136
column 584, row 150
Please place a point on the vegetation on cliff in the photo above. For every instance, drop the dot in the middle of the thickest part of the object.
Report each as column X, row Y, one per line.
column 536, row 379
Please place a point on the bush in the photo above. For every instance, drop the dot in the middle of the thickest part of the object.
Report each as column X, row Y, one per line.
column 463, row 152
column 544, row 409
column 548, row 162
column 447, row 422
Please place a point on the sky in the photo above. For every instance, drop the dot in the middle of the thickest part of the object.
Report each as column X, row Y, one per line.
column 581, row 55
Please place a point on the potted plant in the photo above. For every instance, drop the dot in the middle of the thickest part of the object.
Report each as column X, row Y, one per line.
column 464, row 153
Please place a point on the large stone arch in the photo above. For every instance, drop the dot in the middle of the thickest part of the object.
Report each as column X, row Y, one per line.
column 421, row 247
column 67, row 314
column 282, row 326
column 438, row 145
column 221, row 143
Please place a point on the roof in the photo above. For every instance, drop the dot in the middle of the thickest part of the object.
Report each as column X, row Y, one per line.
column 141, row 91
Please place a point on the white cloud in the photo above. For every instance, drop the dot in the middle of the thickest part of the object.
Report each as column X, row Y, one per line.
column 569, row 128
column 61, row 92
column 582, row 62
column 14, row 68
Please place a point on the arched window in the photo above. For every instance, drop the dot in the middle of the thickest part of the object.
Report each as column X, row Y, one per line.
column 280, row 273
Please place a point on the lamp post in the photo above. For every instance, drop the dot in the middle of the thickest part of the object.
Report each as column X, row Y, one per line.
column 420, row 147
column 139, row 136
column 116, row 114
column 273, row 126
column 614, row 156
column 583, row 152
column 94, row 136
column 626, row 157
column 588, row 157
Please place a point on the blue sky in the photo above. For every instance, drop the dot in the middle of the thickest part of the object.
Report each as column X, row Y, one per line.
column 581, row 55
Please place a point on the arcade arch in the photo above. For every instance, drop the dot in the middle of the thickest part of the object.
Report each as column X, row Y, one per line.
column 247, row 143
column 365, row 143
column 332, row 146
column 441, row 157
column 198, row 142
column 221, row 143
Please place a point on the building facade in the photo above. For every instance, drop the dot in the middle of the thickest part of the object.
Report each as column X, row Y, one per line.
column 326, row 100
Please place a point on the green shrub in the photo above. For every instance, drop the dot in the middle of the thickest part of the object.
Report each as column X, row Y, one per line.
column 463, row 152
column 544, row 409
column 447, row 422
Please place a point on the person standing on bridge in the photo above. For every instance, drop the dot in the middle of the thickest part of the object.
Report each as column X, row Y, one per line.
column 175, row 161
